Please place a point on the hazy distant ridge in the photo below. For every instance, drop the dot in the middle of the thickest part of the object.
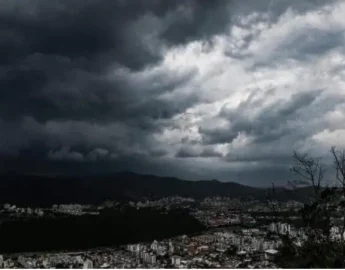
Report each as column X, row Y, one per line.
column 46, row 190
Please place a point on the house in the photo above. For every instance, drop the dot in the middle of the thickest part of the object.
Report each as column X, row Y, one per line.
column 270, row 253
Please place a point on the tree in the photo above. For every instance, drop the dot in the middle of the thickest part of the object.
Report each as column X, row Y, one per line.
column 309, row 170
column 324, row 210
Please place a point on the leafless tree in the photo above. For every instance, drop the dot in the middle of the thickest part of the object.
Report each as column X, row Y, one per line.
column 319, row 214
column 339, row 164
column 309, row 170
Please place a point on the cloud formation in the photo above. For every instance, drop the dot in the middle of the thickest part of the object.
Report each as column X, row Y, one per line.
column 197, row 89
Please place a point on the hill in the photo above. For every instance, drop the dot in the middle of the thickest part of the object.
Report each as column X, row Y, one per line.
column 39, row 190
column 111, row 227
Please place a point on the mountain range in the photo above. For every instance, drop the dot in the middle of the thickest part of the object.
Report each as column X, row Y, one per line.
column 41, row 190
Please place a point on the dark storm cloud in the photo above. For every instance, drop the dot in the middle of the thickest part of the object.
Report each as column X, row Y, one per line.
column 76, row 29
column 190, row 152
column 65, row 154
column 55, row 60
column 197, row 19
column 100, row 28
column 186, row 152
column 54, row 87
column 83, row 85
column 54, row 55
column 29, row 162
column 264, row 176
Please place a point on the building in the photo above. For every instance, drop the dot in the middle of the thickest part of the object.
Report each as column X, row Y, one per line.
column 88, row 264
column 152, row 259
column 154, row 245
column 203, row 248
column 282, row 228
column 250, row 231
column 272, row 227
column 270, row 253
column 336, row 232
column 161, row 251
column 130, row 248
column 257, row 244
column 239, row 241
column 39, row 212
column 171, row 247
column 220, row 247
column 176, row 260
column 146, row 257
column 134, row 248
column 241, row 253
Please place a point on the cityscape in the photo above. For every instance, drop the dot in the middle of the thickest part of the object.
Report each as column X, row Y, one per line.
column 172, row 134
column 237, row 235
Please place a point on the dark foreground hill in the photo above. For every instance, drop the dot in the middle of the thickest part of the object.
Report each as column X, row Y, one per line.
column 111, row 227
column 47, row 190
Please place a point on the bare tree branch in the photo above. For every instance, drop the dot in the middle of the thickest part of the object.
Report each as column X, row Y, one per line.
column 310, row 170
column 339, row 163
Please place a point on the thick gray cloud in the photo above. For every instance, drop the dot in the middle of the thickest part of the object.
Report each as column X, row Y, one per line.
column 54, row 57
column 273, row 122
column 198, row 89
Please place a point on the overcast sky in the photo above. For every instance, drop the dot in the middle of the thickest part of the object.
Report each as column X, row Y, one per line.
column 197, row 89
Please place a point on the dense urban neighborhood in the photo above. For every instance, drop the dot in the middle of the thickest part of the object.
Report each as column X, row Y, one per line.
column 236, row 235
